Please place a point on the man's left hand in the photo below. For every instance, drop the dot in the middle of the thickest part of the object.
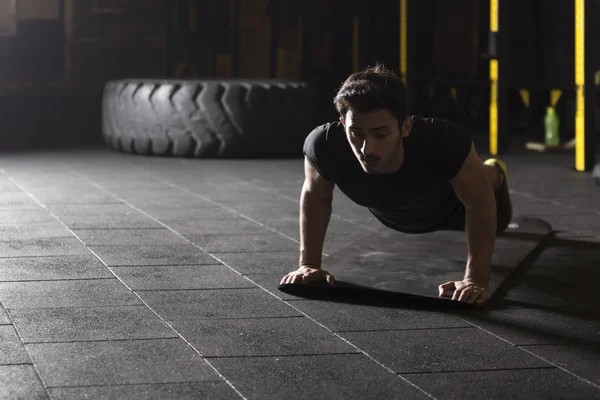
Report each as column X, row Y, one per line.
column 466, row 291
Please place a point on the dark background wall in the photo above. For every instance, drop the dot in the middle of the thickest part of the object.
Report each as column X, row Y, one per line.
column 54, row 65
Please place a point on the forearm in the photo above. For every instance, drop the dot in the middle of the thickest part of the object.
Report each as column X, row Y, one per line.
column 481, row 237
column 315, row 213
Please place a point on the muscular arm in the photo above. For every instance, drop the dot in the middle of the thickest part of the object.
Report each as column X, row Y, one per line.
column 475, row 191
column 315, row 213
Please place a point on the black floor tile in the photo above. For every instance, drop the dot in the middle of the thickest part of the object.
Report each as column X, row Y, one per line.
column 349, row 317
column 12, row 350
column 52, row 268
column 522, row 326
column 215, row 227
column 211, row 304
column 581, row 360
column 36, row 231
column 276, row 263
column 137, row 255
column 119, row 362
column 120, row 237
column 351, row 376
column 181, row 277
column 243, row 243
column 163, row 391
column 87, row 324
column 260, row 337
column 441, row 350
column 42, row 247
column 132, row 221
column 535, row 384
column 21, row 382
column 83, row 293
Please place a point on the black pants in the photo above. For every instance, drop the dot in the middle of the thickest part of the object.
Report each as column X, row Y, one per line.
column 457, row 221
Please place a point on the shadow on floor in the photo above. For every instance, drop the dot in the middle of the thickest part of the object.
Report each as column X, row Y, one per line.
column 532, row 285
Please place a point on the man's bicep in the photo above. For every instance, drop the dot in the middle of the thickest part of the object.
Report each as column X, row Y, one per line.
column 471, row 183
column 315, row 183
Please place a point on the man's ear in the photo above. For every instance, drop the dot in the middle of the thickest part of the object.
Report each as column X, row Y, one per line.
column 407, row 126
column 343, row 122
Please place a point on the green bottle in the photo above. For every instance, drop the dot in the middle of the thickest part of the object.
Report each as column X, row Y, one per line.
column 552, row 122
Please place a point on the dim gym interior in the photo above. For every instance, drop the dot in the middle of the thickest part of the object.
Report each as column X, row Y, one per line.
column 286, row 199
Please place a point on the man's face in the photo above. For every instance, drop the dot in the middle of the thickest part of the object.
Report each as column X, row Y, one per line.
column 376, row 140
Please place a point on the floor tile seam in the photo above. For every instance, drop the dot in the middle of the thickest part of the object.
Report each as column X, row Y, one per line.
column 177, row 320
column 460, row 371
column 162, row 338
column 282, row 355
column 240, row 288
column 438, row 328
column 75, row 307
column 372, row 358
column 50, row 256
column 58, row 280
column 45, row 256
column 15, row 364
column 521, row 348
column 132, row 384
column 298, row 355
column 561, row 344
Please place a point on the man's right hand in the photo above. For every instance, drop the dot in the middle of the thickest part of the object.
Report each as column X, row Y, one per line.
column 308, row 275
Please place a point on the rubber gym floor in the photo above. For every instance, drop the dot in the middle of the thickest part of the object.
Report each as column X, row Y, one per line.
column 132, row 277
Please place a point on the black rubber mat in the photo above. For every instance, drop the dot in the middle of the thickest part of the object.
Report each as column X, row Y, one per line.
column 393, row 263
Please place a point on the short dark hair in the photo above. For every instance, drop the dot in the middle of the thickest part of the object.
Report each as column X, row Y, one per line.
column 373, row 88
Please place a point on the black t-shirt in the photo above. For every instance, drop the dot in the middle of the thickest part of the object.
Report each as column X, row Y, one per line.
column 419, row 196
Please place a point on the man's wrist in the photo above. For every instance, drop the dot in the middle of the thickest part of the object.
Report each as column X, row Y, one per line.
column 310, row 265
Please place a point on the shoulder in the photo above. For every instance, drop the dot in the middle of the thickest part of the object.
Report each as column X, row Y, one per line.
column 323, row 135
column 438, row 127
column 320, row 147
column 447, row 143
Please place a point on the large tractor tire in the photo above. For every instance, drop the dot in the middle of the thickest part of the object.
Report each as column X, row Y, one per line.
column 207, row 118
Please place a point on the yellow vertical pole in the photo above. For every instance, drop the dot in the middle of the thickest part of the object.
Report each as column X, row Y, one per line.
column 355, row 28
column 403, row 41
column 494, row 83
column 580, row 85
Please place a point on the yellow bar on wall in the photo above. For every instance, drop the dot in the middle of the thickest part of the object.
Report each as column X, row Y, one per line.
column 580, row 84
column 494, row 107
column 403, row 41
column 494, row 15
column 355, row 28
